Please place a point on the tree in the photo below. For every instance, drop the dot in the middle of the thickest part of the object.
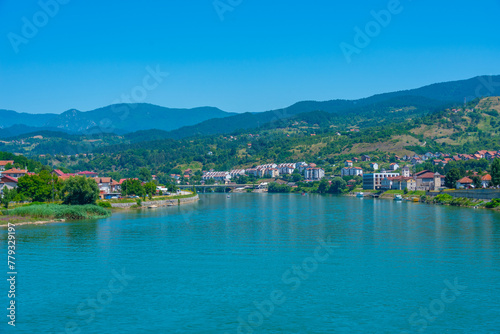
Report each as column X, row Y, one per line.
column 8, row 196
column 39, row 188
column 323, row 186
column 476, row 181
column 296, row 176
column 338, row 185
column 150, row 189
column 274, row 187
column 452, row 177
column 80, row 190
column 145, row 174
column 132, row 187
column 495, row 172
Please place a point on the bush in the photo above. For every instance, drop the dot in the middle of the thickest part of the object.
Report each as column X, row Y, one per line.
column 80, row 191
column 58, row 211
column 103, row 204
column 139, row 202
column 443, row 199
column 493, row 203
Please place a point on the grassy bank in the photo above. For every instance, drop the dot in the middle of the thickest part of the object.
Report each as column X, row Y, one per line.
column 445, row 199
column 54, row 211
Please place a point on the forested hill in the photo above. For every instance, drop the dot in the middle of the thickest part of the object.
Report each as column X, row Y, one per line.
column 117, row 118
column 418, row 101
column 127, row 118
column 313, row 138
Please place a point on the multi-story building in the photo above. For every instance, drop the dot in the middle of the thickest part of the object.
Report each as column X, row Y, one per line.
column 217, row 176
column 286, row 168
column 314, row 174
column 236, row 172
column 271, row 172
column 351, row 171
column 427, row 180
column 374, row 180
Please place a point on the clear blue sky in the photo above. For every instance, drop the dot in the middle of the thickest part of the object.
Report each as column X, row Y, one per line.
column 263, row 55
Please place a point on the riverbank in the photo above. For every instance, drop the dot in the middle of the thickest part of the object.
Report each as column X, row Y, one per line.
column 175, row 200
column 435, row 198
column 51, row 213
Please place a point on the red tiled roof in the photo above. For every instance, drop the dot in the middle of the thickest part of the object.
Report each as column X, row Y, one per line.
column 15, row 171
column 86, row 173
column 465, row 180
column 428, row 175
column 5, row 162
column 59, row 172
column 486, row 177
column 9, row 178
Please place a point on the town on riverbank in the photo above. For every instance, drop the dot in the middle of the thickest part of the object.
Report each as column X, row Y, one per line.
column 462, row 179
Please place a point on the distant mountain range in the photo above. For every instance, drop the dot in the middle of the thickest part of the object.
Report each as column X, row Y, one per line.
column 179, row 123
column 118, row 118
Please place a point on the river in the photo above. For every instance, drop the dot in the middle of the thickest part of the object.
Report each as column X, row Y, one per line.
column 262, row 263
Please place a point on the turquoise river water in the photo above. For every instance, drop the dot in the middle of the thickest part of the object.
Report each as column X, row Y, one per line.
column 261, row 263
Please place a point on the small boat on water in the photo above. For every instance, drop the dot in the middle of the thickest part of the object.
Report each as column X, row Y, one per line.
column 228, row 196
column 360, row 194
column 398, row 197
column 152, row 206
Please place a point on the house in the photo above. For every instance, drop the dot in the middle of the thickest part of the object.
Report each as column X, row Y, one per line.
column 58, row 172
column 486, row 181
column 393, row 166
column 348, row 163
column 254, row 171
column 351, row 183
column 314, row 174
column 374, row 166
column 14, row 172
column 104, row 184
column 437, row 162
column 273, row 165
column 351, row 171
column 374, row 180
column 271, row 172
column 3, row 163
column 301, row 166
column 481, row 153
column 188, row 171
column 236, row 172
column 490, row 155
column 87, row 174
column 402, row 182
column 365, row 157
column 416, row 160
column 386, row 183
column 286, row 168
column 464, row 182
column 7, row 182
column 405, row 171
column 427, row 180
